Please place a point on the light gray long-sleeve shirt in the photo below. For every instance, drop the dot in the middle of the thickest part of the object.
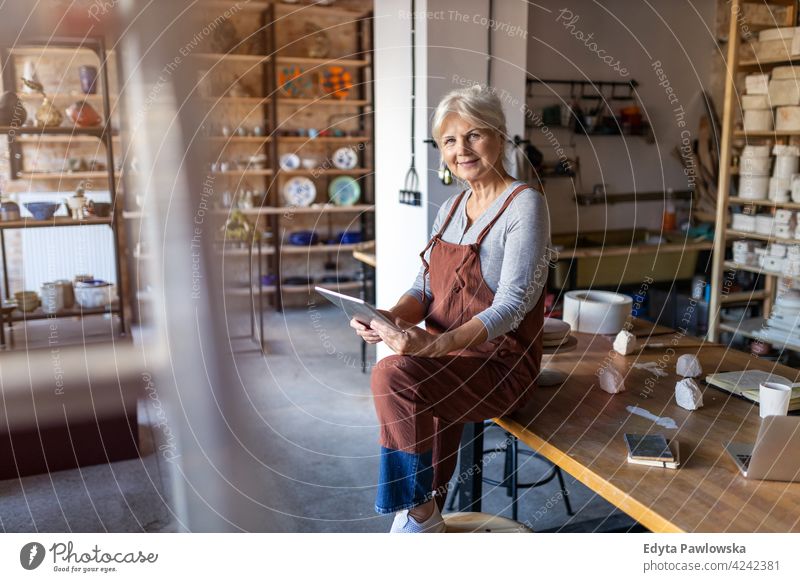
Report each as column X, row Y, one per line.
column 514, row 255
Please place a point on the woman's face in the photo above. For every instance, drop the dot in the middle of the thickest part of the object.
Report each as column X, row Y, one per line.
column 471, row 153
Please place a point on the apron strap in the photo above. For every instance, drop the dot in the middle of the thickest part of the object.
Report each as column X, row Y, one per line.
column 508, row 201
column 434, row 237
column 450, row 214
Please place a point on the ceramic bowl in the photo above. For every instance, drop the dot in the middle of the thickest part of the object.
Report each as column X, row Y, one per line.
column 9, row 210
column 94, row 293
column 102, row 209
column 303, row 238
column 42, row 210
column 348, row 237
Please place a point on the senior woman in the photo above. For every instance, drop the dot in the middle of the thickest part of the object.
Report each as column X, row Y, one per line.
column 480, row 293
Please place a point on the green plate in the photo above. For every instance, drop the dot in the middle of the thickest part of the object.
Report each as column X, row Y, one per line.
column 344, row 191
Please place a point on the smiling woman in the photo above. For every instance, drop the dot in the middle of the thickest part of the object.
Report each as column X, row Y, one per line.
column 479, row 292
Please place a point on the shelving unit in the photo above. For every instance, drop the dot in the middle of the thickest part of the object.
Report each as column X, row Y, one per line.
column 16, row 136
column 286, row 119
column 723, row 234
column 618, row 91
column 353, row 54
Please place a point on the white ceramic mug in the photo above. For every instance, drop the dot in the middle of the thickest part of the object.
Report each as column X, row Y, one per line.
column 773, row 399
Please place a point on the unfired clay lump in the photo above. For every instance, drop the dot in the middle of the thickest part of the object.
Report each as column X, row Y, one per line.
column 688, row 366
column 625, row 343
column 611, row 380
column 688, row 395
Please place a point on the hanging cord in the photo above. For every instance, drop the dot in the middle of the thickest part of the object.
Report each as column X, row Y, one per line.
column 412, row 178
column 489, row 45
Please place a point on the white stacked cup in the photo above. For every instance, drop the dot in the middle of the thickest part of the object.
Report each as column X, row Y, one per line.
column 787, row 164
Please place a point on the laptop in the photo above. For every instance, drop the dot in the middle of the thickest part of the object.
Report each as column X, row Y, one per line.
column 776, row 453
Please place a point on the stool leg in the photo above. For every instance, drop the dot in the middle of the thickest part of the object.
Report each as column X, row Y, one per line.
column 508, row 463
column 451, row 505
column 567, row 504
column 514, row 470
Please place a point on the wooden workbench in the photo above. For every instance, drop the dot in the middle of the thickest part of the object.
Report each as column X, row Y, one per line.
column 580, row 428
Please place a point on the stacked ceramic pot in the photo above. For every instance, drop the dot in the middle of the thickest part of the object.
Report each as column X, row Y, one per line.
column 784, row 96
column 784, row 223
column 745, row 252
column 787, row 163
column 756, row 103
column 754, row 167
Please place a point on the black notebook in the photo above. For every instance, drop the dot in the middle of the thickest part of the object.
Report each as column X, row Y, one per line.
column 649, row 447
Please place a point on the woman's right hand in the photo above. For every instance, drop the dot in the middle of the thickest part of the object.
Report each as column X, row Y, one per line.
column 366, row 333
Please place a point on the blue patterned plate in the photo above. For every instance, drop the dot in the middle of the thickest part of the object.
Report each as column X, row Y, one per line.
column 299, row 191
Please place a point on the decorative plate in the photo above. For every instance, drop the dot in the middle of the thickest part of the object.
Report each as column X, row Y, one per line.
column 344, row 191
column 345, row 158
column 289, row 161
column 337, row 82
column 299, row 191
column 292, row 82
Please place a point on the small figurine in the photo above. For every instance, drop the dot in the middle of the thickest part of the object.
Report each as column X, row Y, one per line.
column 78, row 203
column 46, row 115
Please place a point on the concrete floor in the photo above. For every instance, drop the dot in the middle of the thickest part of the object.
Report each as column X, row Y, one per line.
column 314, row 409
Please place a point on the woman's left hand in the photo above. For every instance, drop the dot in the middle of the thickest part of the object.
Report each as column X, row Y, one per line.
column 413, row 341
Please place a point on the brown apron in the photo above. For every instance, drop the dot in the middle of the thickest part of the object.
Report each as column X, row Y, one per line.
column 423, row 403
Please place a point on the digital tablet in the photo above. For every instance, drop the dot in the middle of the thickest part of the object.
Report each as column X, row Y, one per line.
column 355, row 308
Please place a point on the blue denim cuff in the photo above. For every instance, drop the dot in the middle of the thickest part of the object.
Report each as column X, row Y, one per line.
column 405, row 480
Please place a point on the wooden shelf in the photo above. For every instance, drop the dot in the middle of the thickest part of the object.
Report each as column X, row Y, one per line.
column 76, row 96
column 770, row 203
column 348, row 286
column 248, row 5
column 245, row 252
column 327, row 172
column 323, row 139
column 62, row 139
column 753, row 269
column 53, row 50
column 746, row 327
column 305, row 10
column 246, row 290
column 100, row 175
column 329, row 101
column 343, row 62
column 235, row 100
column 55, row 221
column 304, row 250
column 744, row 296
column 53, row 131
column 752, row 65
column 249, row 59
column 751, row 328
column 763, row 237
column 322, row 209
column 762, row 2
column 234, row 139
column 244, row 173
column 76, row 311
column 767, row 134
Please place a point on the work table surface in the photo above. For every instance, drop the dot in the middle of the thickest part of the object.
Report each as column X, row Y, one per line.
column 580, row 427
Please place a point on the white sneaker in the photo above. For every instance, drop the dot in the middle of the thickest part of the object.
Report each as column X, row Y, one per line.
column 404, row 523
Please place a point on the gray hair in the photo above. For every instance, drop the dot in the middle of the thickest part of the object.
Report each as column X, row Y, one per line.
column 477, row 104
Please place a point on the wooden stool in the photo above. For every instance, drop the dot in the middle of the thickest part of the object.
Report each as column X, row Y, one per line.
column 477, row 522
